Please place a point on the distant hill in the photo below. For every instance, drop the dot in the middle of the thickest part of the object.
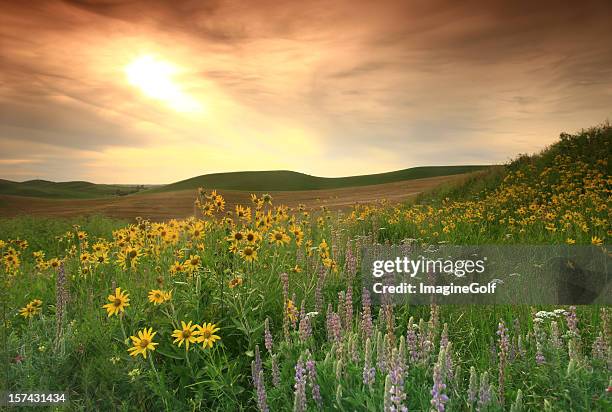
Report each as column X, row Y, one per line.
column 285, row 180
column 273, row 180
column 65, row 190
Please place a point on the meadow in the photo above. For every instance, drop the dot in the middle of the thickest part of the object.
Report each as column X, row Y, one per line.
column 261, row 306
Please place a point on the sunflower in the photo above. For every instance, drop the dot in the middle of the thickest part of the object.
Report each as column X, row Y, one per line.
column 249, row 253
column 31, row 309
column 298, row 233
column 156, row 297
column 291, row 311
column 119, row 301
column 128, row 257
column 236, row 236
column 193, row 263
column 219, row 202
column 266, row 198
column 187, row 334
column 177, row 267
column 54, row 263
column 279, row 237
column 233, row 247
column 207, row 334
column 143, row 343
column 251, row 237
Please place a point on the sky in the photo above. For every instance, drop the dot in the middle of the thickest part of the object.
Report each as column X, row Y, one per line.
column 151, row 91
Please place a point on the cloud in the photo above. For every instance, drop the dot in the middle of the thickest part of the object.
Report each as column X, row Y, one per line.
column 314, row 86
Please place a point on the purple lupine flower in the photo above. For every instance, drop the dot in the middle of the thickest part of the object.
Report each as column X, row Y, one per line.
column 366, row 316
column 438, row 397
column 572, row 321
column 350, row 263
column 262, row 399
column 540, row 337
column 369, row 372
column 256, row 365
column 312, row 378
column 473, row 388
column 485, row 393
column 285, row 280
column 258, row 381
column 348, row 308
column 599, row 348
column 275, row 372
column 555, row 336
column 396, row 393
column 305, row 326
column 412, row 341
column 335, row 330
column 267, row 336
column 504, row 343
column 444, row 337
column 299, row 401
column 448, row 361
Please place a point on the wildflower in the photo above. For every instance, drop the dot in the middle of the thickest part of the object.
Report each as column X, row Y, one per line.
column 305, row 327
column 157, row 296
column 275, row 372
column 187, row 334
column 597, row 241
column 249, row 253
column 504, row 344
column 237, row 281
column 267, row 335
column 143, row 342
column 473, row 387
column 207, row 335
column 485, row 392
column 438, row 398
column 291, row 311
column 312, row 379
column 299, row 401
column 31, row 309
column 279, row 237
column 192, row 264
column 369, row 372
column 119, row 301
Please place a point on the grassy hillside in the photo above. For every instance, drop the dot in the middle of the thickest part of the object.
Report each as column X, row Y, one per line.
column 63, row 190
column 284, row 180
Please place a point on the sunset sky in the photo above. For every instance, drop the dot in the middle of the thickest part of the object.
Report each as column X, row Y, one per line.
column 157, row 91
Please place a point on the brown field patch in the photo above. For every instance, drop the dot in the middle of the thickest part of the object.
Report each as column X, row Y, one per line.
column 164, row 206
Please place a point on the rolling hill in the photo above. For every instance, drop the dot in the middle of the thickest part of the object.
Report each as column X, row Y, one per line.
column 256, row 181
column 285, row 180
column 64, row 190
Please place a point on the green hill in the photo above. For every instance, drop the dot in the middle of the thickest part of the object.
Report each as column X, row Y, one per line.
column 64, row 190
column 284, row 180
column 273, row 180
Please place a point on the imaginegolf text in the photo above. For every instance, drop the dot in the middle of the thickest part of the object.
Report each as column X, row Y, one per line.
column 424, row 289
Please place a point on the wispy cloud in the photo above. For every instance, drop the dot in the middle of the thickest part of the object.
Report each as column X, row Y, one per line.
column 328, row 88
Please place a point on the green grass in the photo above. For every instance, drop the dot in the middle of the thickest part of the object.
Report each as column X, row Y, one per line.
column 64, row 190
column 86, row 353
column 285, row 180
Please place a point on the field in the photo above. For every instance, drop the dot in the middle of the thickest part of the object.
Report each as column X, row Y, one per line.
column 167, row 205
column 252, row 305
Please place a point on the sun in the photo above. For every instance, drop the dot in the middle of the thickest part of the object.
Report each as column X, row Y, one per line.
column 154, row 78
